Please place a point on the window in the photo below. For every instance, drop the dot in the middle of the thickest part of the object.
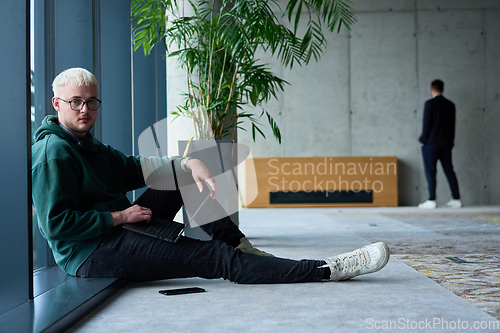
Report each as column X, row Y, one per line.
column 45, row 26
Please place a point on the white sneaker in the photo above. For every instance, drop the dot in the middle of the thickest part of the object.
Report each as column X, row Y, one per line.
column 454, row 203
column 368, row 259
column 247, row 247
column 429, row 204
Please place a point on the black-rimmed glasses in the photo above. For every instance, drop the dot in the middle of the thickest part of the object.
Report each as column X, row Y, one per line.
column 78, row 104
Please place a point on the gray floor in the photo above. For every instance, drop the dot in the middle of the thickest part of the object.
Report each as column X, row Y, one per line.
column 398, row 298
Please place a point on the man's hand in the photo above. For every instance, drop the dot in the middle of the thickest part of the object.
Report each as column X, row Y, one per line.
column 200, row 173
column 132, row 214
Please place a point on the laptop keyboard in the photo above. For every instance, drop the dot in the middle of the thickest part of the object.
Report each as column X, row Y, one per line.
column 164, row 229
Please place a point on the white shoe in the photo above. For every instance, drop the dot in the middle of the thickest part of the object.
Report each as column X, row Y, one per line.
column 368, row 259
column 247, row 247
column 454, row 203
column 429, row 204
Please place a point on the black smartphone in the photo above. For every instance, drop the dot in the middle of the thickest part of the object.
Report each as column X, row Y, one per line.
column 182, row 291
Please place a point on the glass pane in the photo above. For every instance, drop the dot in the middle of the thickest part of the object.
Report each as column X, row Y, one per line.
column 15, row 280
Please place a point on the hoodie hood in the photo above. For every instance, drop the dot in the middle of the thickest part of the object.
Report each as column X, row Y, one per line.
column 50, row 125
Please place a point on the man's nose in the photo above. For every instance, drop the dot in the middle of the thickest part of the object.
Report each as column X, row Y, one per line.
column 85, row 107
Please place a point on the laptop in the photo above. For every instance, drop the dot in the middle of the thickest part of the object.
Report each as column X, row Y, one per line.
column 167, row 230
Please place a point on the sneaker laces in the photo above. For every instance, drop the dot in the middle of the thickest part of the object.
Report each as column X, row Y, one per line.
column 348, row 262
column 351, row 261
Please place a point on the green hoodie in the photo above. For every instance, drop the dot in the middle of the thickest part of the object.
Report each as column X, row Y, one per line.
column 74, row 192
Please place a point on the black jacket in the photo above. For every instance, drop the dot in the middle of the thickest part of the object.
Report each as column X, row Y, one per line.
column 439, row 122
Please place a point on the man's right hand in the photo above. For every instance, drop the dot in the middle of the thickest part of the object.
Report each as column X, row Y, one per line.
column 200, row 173
column 132, row 214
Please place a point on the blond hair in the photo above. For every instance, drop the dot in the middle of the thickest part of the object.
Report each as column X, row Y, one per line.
column 78, row 76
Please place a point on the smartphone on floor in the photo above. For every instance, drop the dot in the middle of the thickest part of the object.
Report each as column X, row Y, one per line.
column 181, row 291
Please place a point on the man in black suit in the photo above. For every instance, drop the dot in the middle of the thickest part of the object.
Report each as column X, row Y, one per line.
column 437, row 140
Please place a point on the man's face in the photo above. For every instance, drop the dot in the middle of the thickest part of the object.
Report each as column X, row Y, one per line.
column 78, row 122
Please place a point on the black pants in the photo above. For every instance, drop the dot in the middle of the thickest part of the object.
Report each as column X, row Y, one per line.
column 431, row 154
column 135, row 257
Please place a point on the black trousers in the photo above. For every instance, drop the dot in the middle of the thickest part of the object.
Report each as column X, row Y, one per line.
column 431, row 155
column 135, row 257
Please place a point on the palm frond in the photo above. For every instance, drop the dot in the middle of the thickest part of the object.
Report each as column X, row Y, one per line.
column 218, row 48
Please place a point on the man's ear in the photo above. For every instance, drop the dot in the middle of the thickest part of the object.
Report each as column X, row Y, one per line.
column 55, row 103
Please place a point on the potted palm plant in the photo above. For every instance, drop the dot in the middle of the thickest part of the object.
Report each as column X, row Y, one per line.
column 217, row 45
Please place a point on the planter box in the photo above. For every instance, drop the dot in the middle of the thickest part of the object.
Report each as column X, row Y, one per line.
column 220, row 157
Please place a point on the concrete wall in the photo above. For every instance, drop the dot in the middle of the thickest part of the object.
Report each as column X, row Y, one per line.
column 366, row 95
